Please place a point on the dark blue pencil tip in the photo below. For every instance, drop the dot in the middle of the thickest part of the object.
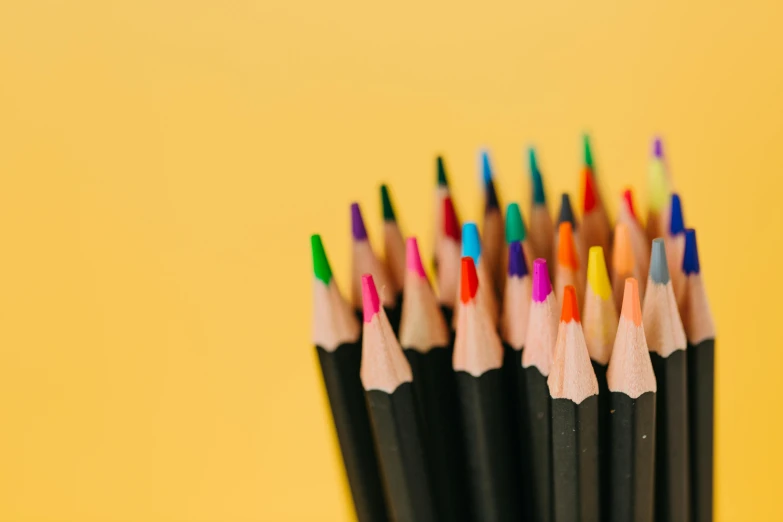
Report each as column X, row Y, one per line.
column 486, row 168
column 690, row 259
column 517, row 264
column 676, row 221
column 566, row 212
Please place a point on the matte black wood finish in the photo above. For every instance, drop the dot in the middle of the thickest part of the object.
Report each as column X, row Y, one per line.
column 604, row 448
column 701, row 398
column 536, row 417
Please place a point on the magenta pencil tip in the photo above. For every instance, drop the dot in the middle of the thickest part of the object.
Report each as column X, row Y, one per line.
column 542, row 287
column 357, row 223
column 370, row 301
column 413, row 258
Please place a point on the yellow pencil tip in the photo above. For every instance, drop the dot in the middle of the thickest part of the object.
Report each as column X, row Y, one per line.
column 597, row 276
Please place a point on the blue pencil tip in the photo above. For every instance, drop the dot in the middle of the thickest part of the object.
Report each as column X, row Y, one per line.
column 486, row 168
column 676, row 221
column 517, row 264
column 471, row 243
column 690, row 259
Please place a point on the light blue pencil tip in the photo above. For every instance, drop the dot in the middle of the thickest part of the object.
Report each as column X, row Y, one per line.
column 471, row 242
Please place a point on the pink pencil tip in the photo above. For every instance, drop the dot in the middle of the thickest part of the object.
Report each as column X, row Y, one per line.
column 413, row 259
column 541, row 284
column 370, row 301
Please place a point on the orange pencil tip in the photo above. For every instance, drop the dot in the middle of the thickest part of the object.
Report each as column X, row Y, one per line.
column 623, row 260
column 469, row 282
column 570, row 306
column 632, row 309
column 566, row 249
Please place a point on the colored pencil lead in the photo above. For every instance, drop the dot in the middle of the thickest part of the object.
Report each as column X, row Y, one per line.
column 486, row 167
column 517, row 264
column 442, row 179
column 658, row 147
column 566, row 212
column 623, row 260
column 588, row 152
column 632, row 309
column 588, row 184
column 690, row 260
column 515, row 226
column 566, row 250
column 357, row 223
column 469, row 280
column 676, row 222
column 450, row 221
column 597, row 275
column 321, row 267
column 659, row 269
column 388, row 208
column 372, row 304
column 491, row 202
column 570, row 307
column 413, row 258
column 471, row 244
column 628, row 197
column 539, row 196
column 542, row 286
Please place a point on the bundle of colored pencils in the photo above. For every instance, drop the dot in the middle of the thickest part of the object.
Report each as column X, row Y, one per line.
column 476, row 403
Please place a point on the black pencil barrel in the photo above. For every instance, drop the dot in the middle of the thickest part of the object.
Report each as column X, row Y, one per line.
column 536, row 416
column 575, row 460
column 701, row 390
column 340, row 370
column 395, row 422
column 672, row 461
column 604, row 447
column 512, row 360
column 632, row 460
column 485, row 427
column 433, row 381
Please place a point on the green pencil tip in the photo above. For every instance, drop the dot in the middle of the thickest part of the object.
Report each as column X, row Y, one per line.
column 388, row 209
column 442, row 173
column 321, row 267
column 532, row 161
column 539, row 197
column 515, row 226
column 588, row 152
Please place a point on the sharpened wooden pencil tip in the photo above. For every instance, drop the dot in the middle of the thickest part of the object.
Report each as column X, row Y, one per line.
column 469, row 284
column 566, row 249
column 570, row 307
column 369, row 298
column 632, row 309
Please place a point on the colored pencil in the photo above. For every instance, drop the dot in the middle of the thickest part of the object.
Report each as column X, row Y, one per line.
column 515, row 231
column 448, row 250
column 624, row 262
column 600, row 329
column 633, row 392
column 388, row 383
column 596, row 230
column 478, row 361
column 566, row 213
column 535, row 402
column 568, row 270
column 364, row 261
column 336, row 337
column 493, row 235
column 700, row 331
column 442, row 191
column 513, row 330
column 641, row 245
column 675, row 247
column 472, row 247
column 425, row 338
column 393, row 243
column 658, row 191
column 541, row 227
column 666, row 340
column 574, row 391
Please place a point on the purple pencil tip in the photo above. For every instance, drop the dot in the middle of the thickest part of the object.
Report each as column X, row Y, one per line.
column 658, row 147
column 542, row 287
column 517, row 265
column 357, row 223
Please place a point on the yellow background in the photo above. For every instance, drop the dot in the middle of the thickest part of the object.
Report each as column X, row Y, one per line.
column 163, row 163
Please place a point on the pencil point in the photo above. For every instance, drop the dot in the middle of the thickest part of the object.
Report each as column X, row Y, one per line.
column 542, row 286
column 623, row 260
column 658, row 186
column 469, row 280
column 566, row 212
column 371, row 303
column 597, row 275
column 491, row 196
column 515, row 226
column 413, row 258
column 657, row 148
column 450, row 222
column 539, row 196
column 357, row 223
column 442, row 180
column 690, row 259
column 570, row 307
column 628, row 198
column 632, row 308
column 588, row 184
column 566, row 250
column 471, row 243
column 486, row 167
column 659, row 270
column 517, row 264
column 676, row 221
column 321, row 267
column 388, row 209
column 588, row 152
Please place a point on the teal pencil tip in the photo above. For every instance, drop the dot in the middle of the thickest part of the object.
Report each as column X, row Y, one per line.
column 515, row 225
column 539, row 196
column 388, row 209
column 442, row 180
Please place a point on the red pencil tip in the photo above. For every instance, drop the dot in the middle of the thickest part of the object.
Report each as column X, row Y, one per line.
column 628, row 198
column 469, row 283
column 589, row 190
column 570, row 306
column 450, row 221
column 370, row 301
